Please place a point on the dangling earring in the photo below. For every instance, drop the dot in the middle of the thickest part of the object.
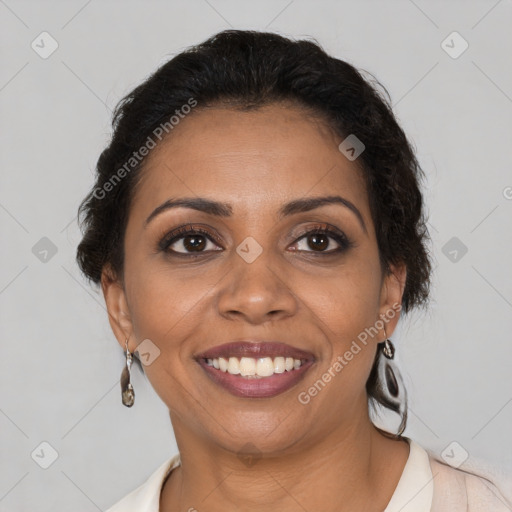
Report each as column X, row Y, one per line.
column 127, row 392
column 390, row 378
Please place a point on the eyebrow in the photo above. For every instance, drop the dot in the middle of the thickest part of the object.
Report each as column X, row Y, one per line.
column 220, row 209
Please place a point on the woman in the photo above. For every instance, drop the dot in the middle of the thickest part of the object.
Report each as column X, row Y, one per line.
column 257, row 228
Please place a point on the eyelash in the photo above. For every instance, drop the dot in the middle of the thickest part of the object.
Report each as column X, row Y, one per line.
column 339, row 237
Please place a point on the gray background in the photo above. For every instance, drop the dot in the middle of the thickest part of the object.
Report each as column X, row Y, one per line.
column 60, row 363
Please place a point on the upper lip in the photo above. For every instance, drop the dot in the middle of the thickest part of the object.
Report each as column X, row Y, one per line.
column 256, row 349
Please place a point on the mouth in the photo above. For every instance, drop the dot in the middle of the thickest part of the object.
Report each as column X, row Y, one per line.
column 255, row 369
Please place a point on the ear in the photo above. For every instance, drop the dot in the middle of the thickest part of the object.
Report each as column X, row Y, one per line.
column 117, row 307
column 392, row 290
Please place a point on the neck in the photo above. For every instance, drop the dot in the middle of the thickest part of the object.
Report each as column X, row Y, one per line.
column 352, row 468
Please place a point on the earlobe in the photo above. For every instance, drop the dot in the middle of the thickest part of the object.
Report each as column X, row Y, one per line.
column 399, row 273
column 391, row 298
column 117, row 306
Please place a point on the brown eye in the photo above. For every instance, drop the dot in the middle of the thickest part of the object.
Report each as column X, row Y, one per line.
column 194, row 242
column 190, row 243
column 323, row 240
column 188, row 240
column 318, row 241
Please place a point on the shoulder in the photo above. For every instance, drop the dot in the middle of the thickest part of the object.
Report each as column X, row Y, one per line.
column 474, row 486
column 146, row 497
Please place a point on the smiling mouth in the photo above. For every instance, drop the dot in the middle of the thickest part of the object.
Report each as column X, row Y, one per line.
column 255, row 368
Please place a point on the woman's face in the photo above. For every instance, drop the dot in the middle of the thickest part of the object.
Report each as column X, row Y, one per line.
column 251, row 274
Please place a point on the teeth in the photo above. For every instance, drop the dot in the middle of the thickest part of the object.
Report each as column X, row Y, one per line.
column 234, row 366
column 255, row 368
column 223, row 364
column 265, row 367
column 247, row 366
column 279, row 365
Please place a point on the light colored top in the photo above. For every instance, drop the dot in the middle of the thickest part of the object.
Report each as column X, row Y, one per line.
column 426, row 485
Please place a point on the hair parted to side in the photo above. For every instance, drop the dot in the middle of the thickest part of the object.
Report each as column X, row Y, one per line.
column 247, row 70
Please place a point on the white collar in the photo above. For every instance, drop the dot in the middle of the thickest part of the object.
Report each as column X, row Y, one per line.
column 415, row 488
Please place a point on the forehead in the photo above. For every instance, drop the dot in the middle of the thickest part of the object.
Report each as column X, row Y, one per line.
column 261, row 158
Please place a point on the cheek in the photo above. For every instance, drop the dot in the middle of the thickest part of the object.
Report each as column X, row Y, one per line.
column 161, row 304
column 166, row 310
column 347, row 307
column 347, row 301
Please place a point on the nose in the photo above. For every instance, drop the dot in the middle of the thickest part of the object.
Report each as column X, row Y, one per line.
column 256, row 292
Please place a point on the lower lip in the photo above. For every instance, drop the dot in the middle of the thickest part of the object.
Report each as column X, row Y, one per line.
column 264, row 387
